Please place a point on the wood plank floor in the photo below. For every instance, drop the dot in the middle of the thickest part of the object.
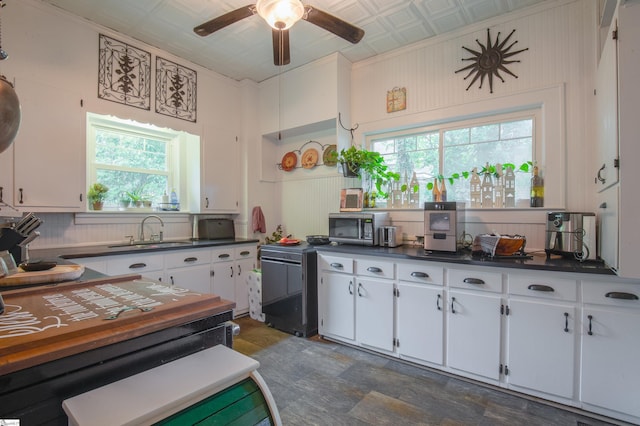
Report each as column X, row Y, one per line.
column 317, row 382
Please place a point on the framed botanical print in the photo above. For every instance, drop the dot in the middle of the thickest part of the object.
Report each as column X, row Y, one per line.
column 396, row 99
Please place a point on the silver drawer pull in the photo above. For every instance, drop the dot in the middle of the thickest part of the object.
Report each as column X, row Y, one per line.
column 419, row 275
column 476, row 281
column 540, row 287
column 374, row 269
column 337, row 265
column 621, row 295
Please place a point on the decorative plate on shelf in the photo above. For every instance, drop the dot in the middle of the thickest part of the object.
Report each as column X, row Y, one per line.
column 328, row 156
column 289, row 161
column 309, row 158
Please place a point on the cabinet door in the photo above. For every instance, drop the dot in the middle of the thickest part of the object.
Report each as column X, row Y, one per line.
column 195, row 278
column 243, row 267
column 610, row 354
column 473, row 343
column 147, row 265
column 374, row 313
column 606, row 173
column 541, row 346
column 6, row 182
column 49, row 149
column 220, row 171
column 223, row 280
column 337, row 305
column 608, row 231
column 420, row 322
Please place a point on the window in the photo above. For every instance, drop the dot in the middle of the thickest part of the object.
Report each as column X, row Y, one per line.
column 460, row 147
column 136, row 161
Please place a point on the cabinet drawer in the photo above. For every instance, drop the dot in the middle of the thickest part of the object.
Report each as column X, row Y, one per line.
column 245, row 252
column 375, row 268
column 542, row 286
column 137, row 264
column 420, row 273
column 336, row 264
column 475, row 280
column 612, row 294
column 222, row 254
column 182, row 258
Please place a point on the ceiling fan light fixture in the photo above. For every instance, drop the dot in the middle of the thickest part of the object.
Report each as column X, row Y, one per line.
column 280, row 14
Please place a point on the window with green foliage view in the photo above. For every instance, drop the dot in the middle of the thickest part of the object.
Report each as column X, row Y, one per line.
column 134, row 161
column 452, row 150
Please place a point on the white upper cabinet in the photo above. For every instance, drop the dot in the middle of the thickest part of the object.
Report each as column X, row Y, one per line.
column 49, row 150
column 303, row 99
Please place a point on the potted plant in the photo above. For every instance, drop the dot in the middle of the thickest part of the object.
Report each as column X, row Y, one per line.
column 96, row 195
column 358, row 162
column 124, row 201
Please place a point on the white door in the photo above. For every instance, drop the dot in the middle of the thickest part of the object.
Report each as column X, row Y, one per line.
column 606, row 172
column 243, row 267
column 473, row 343
column 541, row 346
column 195, row 278
column 49, row 149
column 223, row 280
column 337, row 305
column 610, row 359
column 420, row 322
column 374, row 313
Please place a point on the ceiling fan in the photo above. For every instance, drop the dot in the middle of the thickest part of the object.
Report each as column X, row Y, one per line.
column 281, row 15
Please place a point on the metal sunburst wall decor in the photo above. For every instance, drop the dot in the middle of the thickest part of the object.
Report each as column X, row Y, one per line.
column 490, row 60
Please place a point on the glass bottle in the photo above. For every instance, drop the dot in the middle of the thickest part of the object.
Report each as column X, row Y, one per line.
column 443, row 191
column 537, row 189
column 436, row 192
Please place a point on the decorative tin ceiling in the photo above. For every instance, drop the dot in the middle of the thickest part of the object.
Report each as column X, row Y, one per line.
column 243, row 50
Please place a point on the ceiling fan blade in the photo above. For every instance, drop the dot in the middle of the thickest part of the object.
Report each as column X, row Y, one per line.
column 281, row 55
column 332, row 24
column 223, row 20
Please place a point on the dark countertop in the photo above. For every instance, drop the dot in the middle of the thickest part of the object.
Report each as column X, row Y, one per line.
column 113, row 249
column 536, row 261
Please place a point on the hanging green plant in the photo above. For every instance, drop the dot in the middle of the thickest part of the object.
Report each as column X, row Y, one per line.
column 357, row 162
column 491, row 169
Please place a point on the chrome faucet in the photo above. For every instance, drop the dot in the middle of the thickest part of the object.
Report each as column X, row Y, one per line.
column 142, row 225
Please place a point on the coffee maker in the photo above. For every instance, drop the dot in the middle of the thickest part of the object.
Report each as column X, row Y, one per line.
column 571, row 234
column 443, row 225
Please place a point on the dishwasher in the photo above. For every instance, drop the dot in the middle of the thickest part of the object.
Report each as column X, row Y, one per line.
column 289, row 288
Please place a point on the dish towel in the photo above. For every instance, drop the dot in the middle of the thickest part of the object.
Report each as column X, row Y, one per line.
column 258, row 220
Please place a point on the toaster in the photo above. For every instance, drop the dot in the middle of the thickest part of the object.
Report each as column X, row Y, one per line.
column 390, row 236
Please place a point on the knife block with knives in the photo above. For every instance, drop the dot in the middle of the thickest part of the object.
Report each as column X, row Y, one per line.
column 15, row 238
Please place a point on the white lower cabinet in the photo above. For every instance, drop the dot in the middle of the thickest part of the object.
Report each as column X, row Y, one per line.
column 189, row 269
column 374, row 313
column 336, row 297
column 245, row 261
column 228, row 274
column 541, row 335
column 521, row 329
column 221, row 271
column 611, row 349
column 474, row 334
column 420, row 308
column 474, row 320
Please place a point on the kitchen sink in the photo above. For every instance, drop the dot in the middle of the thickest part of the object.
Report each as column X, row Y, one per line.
column 152, row 244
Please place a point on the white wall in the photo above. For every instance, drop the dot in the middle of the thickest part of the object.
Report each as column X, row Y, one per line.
column 561, row 38
column 61, row 50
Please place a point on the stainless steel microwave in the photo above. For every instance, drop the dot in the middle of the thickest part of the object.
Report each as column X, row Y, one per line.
column 359, row 228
